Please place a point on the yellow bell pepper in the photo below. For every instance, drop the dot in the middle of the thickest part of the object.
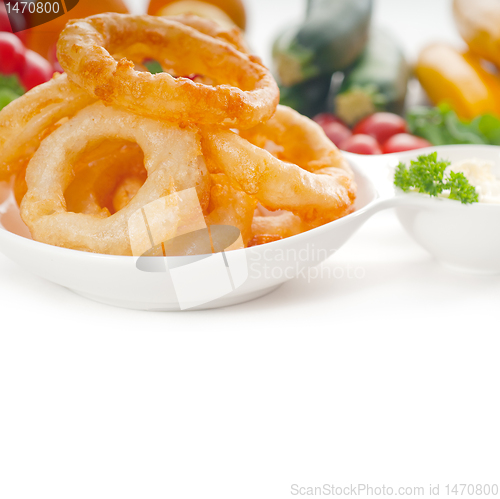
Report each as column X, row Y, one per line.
column 198, row 8
column 478, row 21
column 459, row 79
column 233, row 8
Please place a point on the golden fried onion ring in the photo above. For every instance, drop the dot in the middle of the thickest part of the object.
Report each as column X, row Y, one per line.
column 245, row 95
column 126, row 190
column 172, row 158
column 229, row 206
column 312, row 180
column 26, row 118
column 98, row 176
column 93, row 188
column 284, row 225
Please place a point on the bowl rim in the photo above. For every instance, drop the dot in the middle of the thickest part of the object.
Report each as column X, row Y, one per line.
column 356, row 161
column 72, row 253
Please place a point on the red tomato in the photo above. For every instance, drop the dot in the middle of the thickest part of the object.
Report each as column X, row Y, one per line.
column 53, row 59
column 404, row 142
column 323, row 119
column 337, row 132
column 362, row 144
column 12, row 54
column 36, row 71
column 381, row 126
column 17, row 19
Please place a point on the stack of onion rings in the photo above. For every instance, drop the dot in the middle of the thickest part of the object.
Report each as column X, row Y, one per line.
column 93, row 146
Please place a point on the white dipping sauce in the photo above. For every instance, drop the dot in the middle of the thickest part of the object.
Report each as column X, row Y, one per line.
column 480, row 174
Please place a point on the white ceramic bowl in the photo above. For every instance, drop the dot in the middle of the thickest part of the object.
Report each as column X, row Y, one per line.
column 116, row 280
column 460, row 236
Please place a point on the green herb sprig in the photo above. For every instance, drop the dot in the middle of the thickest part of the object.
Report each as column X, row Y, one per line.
column 427, row 175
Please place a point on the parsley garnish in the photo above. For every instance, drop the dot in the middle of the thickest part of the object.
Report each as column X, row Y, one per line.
column 427, row 175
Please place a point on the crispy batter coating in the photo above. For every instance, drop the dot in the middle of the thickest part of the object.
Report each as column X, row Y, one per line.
column 24, row 120
column 283, row 225
column 230, row 206
column 172, row 158
column 318, row 186
column 245, row 93
column 94, row 187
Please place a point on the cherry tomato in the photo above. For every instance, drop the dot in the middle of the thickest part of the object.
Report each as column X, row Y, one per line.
column 361, row 144
column 381, row 126
column 404, row 142
column 18, row 22
column 36, row 71
column 53, row 59
column 323, row 119
column 12, row 54
column 337, row 133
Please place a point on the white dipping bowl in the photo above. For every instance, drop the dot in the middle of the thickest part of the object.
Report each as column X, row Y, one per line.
column 116, row 280
column 462, row 237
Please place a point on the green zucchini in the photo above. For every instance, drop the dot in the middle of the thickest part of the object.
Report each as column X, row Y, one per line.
column 331, row 38
column 377, row 82
column 308, row 98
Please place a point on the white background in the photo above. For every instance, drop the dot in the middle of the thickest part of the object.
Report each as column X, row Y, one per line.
column 391, row 378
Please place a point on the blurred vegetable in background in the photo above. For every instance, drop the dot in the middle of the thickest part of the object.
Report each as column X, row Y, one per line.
column 197, row 8
column 233, row 8
column 447, row 75
column 379, row 133
column 404, row 142
column 28, row 57
column 43, row 38
column 334, row 129
column 36, row 70
column 309, row 97
column 362, row 144
column 442, row 126
column 335, row 37
column 21, row 69
column 378, row 80
column 10, row 89
column 478, row 22
column 381, row 126
column 464, row 85
column 331, row 37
